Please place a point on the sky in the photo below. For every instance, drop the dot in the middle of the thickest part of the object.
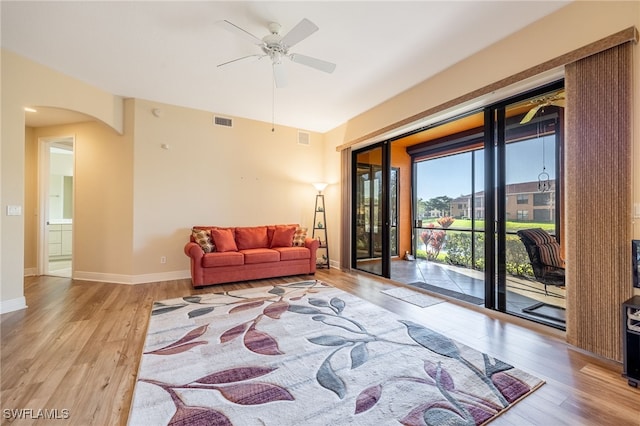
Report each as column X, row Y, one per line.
column 451, row 175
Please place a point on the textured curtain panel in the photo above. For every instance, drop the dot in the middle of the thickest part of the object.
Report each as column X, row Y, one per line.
column 345, row 226
column 598, row 197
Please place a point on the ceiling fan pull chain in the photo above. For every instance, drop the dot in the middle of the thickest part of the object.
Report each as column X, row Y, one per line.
column 273, row 101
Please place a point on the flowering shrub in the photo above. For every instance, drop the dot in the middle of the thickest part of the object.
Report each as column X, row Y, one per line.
column 433, row 240
column 446, row 221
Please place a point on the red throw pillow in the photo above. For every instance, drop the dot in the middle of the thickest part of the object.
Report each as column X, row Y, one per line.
column 223, row 240
column 283, row 236
column 252, row 237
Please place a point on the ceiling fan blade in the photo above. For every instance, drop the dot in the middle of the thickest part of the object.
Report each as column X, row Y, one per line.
column 240, row 32
column 240, row 59
column 532, row 112
column 318, row 64
column 298, row 33
column 559, row 102
column 279, row 75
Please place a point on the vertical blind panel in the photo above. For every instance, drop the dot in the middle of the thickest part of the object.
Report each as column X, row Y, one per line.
column 345, row 225
column 598, row 198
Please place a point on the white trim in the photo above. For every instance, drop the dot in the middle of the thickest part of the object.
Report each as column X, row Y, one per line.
column 12, row 305
column 30, row 272
column 131, row 279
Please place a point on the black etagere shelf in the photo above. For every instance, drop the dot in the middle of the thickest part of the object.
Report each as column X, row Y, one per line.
column 320, row 232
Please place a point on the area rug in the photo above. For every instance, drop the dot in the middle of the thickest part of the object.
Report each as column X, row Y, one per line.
column 411, row 296
column 306, row 353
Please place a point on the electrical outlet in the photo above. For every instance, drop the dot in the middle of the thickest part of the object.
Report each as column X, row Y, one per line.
column 163, row 259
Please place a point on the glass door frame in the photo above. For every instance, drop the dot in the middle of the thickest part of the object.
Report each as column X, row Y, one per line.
column 385, row 208
column 495, row 195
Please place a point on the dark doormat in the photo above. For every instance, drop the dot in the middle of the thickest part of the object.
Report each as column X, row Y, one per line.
column 449, row 293
column 545, row 310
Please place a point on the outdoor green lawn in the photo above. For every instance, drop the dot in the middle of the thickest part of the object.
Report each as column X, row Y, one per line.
column 457, row 248
column 512, row 226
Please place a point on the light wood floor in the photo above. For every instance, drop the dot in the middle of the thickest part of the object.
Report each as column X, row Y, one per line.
column 78, row 345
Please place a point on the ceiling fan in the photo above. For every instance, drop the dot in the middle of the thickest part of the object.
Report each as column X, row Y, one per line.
column 552, row 99
column 275, row 47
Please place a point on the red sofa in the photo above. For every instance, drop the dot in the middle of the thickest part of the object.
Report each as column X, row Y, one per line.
column 223, row 255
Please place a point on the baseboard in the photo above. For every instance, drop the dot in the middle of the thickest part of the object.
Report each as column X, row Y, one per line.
column 30, row 272
column 12, row 305
column 131, row 279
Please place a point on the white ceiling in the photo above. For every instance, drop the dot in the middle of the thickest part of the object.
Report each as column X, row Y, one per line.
column 168, row 51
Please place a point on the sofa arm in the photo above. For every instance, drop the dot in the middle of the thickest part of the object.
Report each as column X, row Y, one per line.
column 193, row 250
column 312, row 244
column 195, row 253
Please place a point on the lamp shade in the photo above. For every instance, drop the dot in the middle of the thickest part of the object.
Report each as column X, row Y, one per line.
column 320, row 186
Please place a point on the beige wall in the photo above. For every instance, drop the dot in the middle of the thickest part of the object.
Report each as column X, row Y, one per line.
column 570, row 28
column 212, row 175
column 25, row 83
column 333, row 193
column 136, row 200
column 103, row 198
column 30, row 202
column 151, row 223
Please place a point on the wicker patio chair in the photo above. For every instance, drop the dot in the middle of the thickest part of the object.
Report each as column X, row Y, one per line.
column 544, row 255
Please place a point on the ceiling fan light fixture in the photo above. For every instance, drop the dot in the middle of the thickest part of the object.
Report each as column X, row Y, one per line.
column 274, row 28
column 276, row 57
column 276, row 46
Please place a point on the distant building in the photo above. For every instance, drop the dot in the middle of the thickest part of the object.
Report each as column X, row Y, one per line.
column 525, row 203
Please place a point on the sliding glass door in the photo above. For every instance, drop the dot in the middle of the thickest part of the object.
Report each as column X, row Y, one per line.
column 449, row 223
column 530, row 198
column 476, row 181
column 372, row 210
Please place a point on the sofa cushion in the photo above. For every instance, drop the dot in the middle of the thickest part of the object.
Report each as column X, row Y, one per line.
column 229, row 258
column 203, row 238
column 260, row 255
column 272, row 228
column 550, row 254
column 537, row 235
column 293, row 253
column 252, row 237
column 283, row 236
column 299, row 237
column 223, row 239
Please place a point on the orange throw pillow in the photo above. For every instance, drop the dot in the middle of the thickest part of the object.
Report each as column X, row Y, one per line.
column 252, row 237
column 223, row 240
column 283, row 236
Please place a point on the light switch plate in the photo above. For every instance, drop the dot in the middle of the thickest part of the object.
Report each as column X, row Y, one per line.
column 14, row 210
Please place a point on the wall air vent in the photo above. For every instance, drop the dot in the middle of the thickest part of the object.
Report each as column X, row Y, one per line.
column 222, row 121
column 304, row 138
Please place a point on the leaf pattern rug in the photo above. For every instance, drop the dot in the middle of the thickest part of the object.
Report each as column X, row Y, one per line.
column 306, row 353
